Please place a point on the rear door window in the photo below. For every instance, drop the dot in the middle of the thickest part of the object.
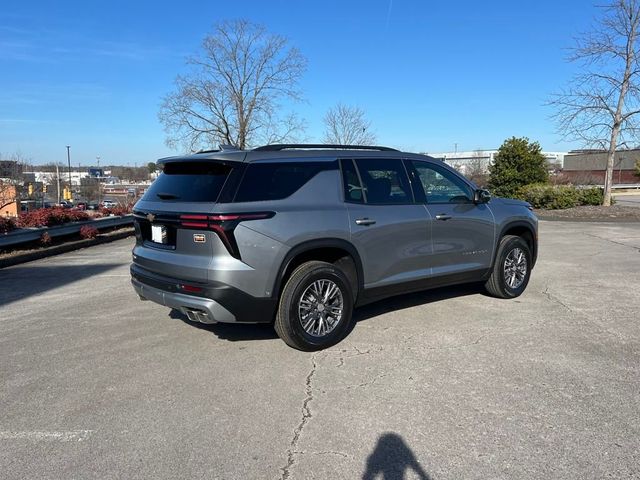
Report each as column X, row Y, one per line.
column 189, row 182
column 385, row 181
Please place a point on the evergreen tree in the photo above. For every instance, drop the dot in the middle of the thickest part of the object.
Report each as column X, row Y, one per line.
column 519, row 162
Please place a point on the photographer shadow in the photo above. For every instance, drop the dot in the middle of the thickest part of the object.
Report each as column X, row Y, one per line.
column 391, row 458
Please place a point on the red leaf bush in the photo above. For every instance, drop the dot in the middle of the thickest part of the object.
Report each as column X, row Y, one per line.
column 45, row 239
column 47, row 217
column 118, row 210
column 7, row 224
column 88, row 231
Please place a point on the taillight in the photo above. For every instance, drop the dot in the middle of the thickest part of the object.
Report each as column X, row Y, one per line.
column 223, row 224
column 194, row 221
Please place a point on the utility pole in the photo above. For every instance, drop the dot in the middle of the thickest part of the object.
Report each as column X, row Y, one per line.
column 69, row 162
column 58, row 179
column 99, row 175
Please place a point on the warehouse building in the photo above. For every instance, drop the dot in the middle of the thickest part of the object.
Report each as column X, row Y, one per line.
column 589, row 166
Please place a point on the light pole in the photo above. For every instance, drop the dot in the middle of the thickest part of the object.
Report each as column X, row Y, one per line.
column 69, row 162
column 98, row 179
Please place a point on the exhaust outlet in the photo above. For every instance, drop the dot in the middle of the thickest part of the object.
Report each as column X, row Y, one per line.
column 196, row 315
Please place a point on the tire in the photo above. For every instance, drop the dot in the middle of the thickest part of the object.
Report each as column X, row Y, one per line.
column 300, row 306
column 506, row 281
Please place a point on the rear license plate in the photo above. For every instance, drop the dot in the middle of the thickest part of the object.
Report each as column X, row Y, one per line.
column 159, row 234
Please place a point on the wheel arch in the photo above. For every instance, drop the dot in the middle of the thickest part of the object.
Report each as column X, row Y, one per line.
column 332, row 250
column 522, row 229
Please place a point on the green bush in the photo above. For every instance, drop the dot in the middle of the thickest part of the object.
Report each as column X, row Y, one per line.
column 592, row 196
column 553, row 197
column 549, row 196
column 518, row 163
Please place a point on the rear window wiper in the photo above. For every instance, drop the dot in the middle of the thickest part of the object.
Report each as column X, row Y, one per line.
column 167, row 196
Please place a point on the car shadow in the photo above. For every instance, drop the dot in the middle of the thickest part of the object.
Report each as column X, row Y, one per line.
column 235, row 332
column 391, row 458
column 408, row 300
column 20, row 282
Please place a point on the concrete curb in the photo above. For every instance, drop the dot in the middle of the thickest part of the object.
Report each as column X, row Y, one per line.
column 65, row 247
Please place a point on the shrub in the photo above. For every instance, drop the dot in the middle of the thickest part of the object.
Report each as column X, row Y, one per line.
column 117, row 210
column 553, row 197
column 7, row 224
column 591, row 196
column 549, row 196
column 45, row 239
column 518, row 163
column 47, row 217
column 88, row 231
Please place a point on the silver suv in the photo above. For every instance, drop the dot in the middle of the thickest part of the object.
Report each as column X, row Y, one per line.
column 299, row 235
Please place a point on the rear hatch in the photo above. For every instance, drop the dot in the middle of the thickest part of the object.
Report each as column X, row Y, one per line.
column 176, row 235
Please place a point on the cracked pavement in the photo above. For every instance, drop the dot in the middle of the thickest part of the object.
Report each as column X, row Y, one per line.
column 446, row 384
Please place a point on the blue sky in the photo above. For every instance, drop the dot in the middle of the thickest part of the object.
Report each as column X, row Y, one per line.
column 428, row 74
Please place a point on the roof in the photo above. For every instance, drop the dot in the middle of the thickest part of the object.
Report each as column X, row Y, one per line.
column 283, row 151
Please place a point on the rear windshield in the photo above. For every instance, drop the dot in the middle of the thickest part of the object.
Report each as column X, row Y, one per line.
column 188, row 182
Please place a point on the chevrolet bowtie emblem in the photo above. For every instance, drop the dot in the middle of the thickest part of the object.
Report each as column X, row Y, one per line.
column 151, row 217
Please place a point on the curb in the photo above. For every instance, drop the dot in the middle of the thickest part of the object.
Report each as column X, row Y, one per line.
column 64, row 248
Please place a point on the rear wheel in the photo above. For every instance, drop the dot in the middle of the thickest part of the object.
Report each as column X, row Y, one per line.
column 315, row 307
column 512, row 268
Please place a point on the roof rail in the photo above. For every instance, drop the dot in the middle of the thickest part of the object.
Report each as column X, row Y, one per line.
column 276, row 147
column 222, row 148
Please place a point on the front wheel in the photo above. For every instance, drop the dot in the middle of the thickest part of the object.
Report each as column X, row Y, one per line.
column 512, row 268
column 315, row 307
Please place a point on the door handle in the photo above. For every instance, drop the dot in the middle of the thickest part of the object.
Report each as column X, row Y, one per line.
column 365, row 221
column 443, row 216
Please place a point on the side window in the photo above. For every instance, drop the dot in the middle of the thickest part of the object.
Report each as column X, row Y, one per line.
column 275, row 181
column 353, row 191
column 440, row 185
column 384, row 180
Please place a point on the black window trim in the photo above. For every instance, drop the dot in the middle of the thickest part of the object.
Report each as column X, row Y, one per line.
column 458, row 180
column 343, row 179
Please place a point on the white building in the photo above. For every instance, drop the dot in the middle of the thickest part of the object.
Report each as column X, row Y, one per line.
column 49, row 177
column 483, row 158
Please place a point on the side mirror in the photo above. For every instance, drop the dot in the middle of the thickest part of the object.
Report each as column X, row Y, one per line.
column 481, row 196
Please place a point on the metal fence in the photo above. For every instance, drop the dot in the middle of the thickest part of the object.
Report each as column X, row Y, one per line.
column 25, row 235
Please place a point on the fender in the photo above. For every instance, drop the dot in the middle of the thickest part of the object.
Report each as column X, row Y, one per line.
column 313, row 245
column 514, row 224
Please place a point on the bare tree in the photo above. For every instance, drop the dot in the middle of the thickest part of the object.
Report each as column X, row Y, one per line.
column 232, row 93
column 11, row 178
column 478, row 168
column 600, row 106
column 347, row 125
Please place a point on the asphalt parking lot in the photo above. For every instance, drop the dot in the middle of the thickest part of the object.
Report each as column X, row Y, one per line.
column 628, row 200
column 449, row 384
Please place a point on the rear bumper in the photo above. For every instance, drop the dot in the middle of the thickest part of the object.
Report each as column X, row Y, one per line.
column 197, row 309
column 217, row 303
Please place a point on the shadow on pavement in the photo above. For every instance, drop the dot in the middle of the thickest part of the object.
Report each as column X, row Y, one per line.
column 234, row 332
column 409, row 300
column 264, row 331
column 391, row 459
column 19, row 283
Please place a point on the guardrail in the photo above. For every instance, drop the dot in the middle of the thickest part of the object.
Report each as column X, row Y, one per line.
column 25, row 235
column 630, row 186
